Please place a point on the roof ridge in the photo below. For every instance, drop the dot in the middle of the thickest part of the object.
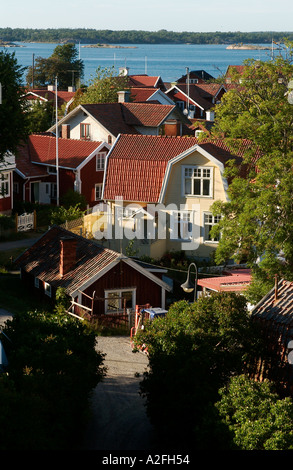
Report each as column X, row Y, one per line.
column 65, row 138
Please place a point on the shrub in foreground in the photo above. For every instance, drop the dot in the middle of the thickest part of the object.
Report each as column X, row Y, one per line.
column 53, row 367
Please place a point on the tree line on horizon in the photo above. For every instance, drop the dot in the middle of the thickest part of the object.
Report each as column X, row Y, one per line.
column 93, row 36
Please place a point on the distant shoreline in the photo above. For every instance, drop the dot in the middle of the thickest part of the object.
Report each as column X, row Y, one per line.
column 9, row 44
column 109, row 46
column 135, row 37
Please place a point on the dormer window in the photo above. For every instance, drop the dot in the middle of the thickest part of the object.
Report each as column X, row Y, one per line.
column 85, row 131
column 197, row 181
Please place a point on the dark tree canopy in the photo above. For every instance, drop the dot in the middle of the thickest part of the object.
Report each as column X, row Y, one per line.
column 12, row 121
column 256, row 222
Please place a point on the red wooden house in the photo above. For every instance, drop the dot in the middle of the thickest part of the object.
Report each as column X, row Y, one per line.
column 80, row 168
column 7, row 165
column 199, row 99
column 103, row 281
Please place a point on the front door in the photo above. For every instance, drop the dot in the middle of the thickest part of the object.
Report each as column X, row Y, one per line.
column 35, row 192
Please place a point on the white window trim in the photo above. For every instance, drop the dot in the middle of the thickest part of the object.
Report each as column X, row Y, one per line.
column 199, row 167
column 48, row 289
column 215, row 242
column 119, row 291
column 87, row 131
column 100, row 161
column 98, row 185
column 4, row 178
column 174, row 220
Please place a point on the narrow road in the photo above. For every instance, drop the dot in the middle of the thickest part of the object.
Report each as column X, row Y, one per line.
column 119, row 420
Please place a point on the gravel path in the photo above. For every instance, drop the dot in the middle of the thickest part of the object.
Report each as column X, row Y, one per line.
column 119, row 420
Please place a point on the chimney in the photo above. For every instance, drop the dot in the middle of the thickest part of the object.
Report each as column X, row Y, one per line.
column 67, row 254
column 123, row 96
column 172, row 128
column 65, row 132
column 71, row 89
column 51, row 87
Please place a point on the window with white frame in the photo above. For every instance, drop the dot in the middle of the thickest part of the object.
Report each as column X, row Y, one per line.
column 48, row 290
column 118, row 300
column 197, row 181
column 100, row 161
column 98, row 191
column 181, row 225
column 37, row 282
column 209, row 221
column 85, row 131
column 4, row 185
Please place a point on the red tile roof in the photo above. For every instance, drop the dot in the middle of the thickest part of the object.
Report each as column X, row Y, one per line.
column 235, row 282
column 211, row 89
column 63, row 96
column 43, row 258
column 236, row 68
column 122, row 118
column 274, row 315
column 143, row 80
column 197, row 95
column 137, row 164
column 142, row 94
column 24, row 165
column 71, row 153
column 147, row 114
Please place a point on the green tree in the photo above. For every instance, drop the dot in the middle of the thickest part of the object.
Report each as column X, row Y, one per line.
column 40, row 117
column 12, row 118
column 193, row 352
column 63, row 63
column 103, row 88
column 62, row 214
column 257, row 221
column 53, row 367
column 255, row 414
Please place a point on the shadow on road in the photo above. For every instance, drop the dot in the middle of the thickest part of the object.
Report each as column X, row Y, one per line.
column 119, row 420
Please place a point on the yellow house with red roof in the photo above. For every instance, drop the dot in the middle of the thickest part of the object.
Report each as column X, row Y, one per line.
column 161, row 189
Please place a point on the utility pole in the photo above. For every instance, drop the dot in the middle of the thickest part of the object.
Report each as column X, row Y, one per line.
column 57, row 156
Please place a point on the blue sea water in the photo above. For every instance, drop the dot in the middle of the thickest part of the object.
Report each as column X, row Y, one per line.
column 168, row 61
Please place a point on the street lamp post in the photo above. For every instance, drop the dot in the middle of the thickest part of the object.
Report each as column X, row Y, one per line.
column 188, row 286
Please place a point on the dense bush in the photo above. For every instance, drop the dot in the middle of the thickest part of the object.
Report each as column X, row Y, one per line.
column 258, row 418
column 193, row 352
column 53, row 366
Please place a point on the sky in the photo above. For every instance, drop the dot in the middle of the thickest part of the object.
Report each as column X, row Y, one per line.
column 152, row 15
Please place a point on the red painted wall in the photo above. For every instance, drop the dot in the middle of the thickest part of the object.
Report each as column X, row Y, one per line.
column 6, row 201
column 90, row 177
column 124, row 276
